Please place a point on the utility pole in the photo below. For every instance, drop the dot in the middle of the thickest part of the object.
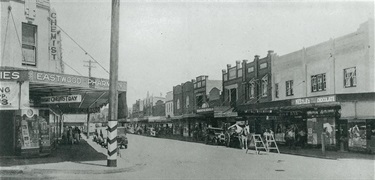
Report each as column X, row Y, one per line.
column 113, row 93
column 89, row 66
column 88, row 109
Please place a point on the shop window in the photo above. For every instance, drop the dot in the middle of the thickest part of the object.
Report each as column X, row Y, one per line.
column 29, row 32
column 289, row 88
column 357, row 133
column 265, row 86
column 318, row 83
column 277, row 90
column 350, row 79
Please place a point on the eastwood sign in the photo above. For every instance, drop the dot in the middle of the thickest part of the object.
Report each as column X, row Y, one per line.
column 61, row 99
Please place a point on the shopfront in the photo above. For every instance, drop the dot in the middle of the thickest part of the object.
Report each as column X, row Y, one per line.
column 33, row 103
column 357, row 122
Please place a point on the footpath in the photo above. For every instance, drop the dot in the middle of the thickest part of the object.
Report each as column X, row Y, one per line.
column 87, row 157
column 306, row 152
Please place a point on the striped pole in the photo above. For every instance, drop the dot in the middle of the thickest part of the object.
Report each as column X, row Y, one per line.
column 112, row 143
column 113, row 94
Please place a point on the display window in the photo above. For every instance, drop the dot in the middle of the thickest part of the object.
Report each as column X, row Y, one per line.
column 357, row 133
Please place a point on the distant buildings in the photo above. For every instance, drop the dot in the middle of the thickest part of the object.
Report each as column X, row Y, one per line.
column 326, row 90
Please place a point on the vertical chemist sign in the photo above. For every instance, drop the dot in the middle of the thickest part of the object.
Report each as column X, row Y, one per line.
column 53, row 42
column 9, row 95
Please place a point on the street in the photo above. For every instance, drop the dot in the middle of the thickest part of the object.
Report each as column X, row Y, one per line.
column 155, row 158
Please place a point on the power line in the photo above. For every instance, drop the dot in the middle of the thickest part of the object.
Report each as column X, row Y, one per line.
column 83, row 49
column 71, row 68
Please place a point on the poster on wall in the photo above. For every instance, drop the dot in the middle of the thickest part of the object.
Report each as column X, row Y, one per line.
column 30, row 133
column 9, row 95
column 312, row 137
column 44, row 133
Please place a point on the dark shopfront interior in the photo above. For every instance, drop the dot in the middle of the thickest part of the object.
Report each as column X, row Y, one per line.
column 7, row 146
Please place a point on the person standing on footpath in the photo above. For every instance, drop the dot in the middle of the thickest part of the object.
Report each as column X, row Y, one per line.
column 246, row 135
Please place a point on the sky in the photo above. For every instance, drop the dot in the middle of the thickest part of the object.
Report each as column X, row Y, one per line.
column 166, row 43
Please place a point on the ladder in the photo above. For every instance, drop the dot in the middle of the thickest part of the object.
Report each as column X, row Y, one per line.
column 258, row 143
column 269, row 140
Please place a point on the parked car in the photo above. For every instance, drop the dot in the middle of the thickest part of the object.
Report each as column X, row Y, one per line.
column 215, row 136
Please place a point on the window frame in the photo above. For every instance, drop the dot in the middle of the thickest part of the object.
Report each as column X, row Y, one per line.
column 289, row 88
column 318, row 82
column 251, row 89
column 276, row 90
column 265, row 85
column 351, row 79
column 26, row 44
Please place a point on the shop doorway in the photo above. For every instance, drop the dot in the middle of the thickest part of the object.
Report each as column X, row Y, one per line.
column 342, row 134
column 7, row 133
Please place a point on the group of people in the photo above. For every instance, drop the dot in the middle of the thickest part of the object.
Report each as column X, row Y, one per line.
column 71, row 135
column 292, row 138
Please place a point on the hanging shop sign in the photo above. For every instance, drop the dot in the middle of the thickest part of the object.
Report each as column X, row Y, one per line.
column 61, row 99
column 9, row 95
column 314, row 100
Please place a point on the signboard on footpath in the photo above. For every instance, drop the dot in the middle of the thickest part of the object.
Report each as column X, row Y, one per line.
column 61, row 99
column 314, row 100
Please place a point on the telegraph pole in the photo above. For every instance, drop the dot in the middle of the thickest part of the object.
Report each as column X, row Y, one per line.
column 89, row 66
column 88, row 109
column 113, row 94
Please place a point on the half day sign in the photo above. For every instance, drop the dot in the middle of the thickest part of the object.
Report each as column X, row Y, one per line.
column 61, row 99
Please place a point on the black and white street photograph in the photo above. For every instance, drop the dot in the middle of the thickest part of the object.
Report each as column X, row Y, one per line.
column 187, row 89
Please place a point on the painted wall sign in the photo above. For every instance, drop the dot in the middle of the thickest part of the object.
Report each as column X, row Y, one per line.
column 61, row 99
column 313, row 100
column 9, row 99
column 53, row 40
column 98, row 83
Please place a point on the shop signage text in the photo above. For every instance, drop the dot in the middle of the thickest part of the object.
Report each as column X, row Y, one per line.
column 313, row 100
column 13, row 75
column 205, row 110
column 58, row 78
column 61, row 99
column 53, row 42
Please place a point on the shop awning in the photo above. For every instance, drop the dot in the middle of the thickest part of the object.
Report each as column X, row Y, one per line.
column 69, row 94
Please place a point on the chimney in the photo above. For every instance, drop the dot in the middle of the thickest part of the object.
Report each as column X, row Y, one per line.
column 270, row 52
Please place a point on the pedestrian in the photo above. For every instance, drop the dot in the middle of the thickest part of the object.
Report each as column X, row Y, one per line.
column 291, row 138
